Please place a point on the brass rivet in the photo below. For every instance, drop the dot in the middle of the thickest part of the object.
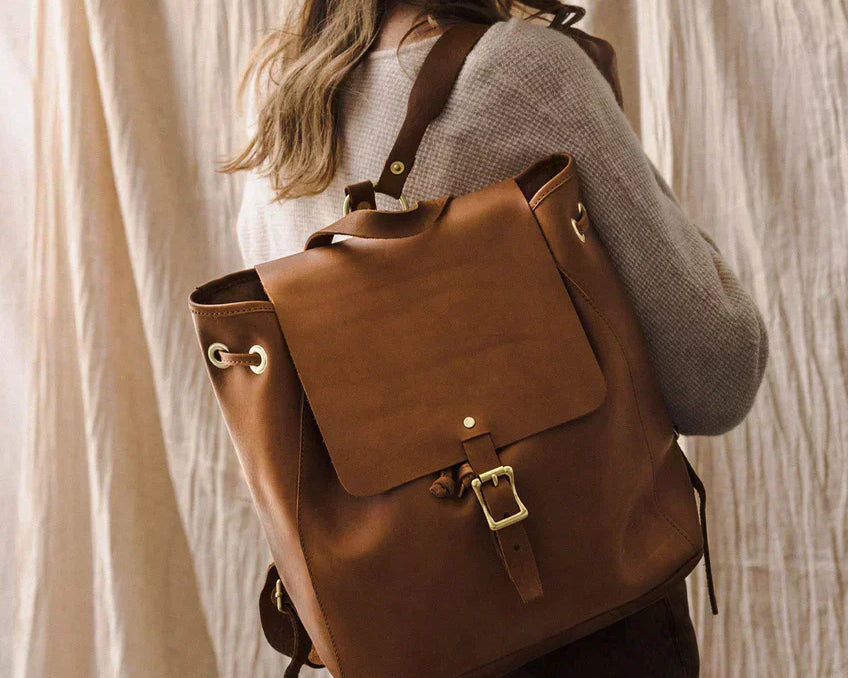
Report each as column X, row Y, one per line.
column 469, row 422
column 397, row 167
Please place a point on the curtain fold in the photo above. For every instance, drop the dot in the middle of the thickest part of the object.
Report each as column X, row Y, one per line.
column 138, row 548
column 745, row 105
column 140, row 551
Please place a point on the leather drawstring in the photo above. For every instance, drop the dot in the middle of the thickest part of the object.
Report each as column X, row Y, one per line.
column 453, row 481
column 702, row 509
column 231, row 358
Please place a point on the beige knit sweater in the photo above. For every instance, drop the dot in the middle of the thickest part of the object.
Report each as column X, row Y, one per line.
column 526, row 91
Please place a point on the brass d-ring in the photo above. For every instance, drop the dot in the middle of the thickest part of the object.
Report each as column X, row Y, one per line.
column 581, row 210
column 346, row 206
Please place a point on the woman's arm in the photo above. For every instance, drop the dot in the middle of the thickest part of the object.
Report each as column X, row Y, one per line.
column 705, row 335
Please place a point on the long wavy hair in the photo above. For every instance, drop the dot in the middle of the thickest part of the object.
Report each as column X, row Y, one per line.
column 297, row 71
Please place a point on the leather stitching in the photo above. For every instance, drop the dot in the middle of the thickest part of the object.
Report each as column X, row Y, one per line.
column 568, row 173
column 217, row 314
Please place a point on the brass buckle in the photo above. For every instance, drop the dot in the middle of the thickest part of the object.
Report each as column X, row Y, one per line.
column 492, row 475
column 278, row 595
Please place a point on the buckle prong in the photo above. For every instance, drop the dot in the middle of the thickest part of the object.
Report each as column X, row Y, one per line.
column 492, row 475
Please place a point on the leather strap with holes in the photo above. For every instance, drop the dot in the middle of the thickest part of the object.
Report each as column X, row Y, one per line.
column 511, row 542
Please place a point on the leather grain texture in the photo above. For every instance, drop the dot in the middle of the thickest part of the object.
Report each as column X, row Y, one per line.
column 397, row 339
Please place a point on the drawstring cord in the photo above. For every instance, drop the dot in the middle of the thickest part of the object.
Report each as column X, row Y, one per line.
column 453, row 481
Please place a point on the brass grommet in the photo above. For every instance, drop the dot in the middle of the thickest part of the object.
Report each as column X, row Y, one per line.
column 397, row 167
column 215, row 360
column 469, row 422
column 263, row 359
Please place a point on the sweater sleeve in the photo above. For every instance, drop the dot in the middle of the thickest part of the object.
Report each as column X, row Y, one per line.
column 706, row 337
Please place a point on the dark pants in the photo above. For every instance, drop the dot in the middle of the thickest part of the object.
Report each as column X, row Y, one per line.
column 656, row 642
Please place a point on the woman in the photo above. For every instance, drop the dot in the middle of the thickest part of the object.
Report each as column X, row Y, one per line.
column 331, row 93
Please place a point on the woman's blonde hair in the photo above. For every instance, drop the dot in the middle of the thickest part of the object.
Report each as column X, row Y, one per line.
column 297, row 72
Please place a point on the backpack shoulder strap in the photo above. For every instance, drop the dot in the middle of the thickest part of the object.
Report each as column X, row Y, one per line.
column 428, row 97
column 433, row 86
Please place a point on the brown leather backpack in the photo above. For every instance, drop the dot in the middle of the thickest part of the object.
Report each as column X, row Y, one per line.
column 449, row 423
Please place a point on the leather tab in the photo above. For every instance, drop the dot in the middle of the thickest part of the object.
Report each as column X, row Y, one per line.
column 362, row 196
column 511, row 542
column 284, row 630
column 382, row 225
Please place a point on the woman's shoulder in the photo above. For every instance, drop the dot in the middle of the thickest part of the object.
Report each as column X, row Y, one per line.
column 525, row 51
column 532, row 66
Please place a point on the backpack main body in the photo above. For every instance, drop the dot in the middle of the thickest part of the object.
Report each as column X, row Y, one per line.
column 487, row 332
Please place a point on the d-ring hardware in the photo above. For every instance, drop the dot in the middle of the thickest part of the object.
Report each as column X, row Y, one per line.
column 215, row 360
column 404, row 203
column 581, row 210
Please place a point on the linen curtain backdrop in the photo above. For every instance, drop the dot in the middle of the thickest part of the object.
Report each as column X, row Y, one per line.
column 131, row 538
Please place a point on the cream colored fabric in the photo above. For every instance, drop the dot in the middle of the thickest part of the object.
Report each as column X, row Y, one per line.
column 745, row 106
column 16, row 198
column 140, row 553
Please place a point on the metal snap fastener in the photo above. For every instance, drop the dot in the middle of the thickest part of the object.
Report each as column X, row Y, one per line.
column 397, row 167
column 469, row 422
column 217, row 346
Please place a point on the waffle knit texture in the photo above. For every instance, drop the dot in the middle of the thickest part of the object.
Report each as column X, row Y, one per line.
column 527, row 91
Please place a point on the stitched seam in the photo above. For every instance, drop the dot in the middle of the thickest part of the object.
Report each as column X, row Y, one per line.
column 240, row 361
column 537, row 200
column 657, row 506
column 302, row 543
column 215, row 314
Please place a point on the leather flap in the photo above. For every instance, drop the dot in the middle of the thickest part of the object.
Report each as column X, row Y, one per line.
column 397, row 341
